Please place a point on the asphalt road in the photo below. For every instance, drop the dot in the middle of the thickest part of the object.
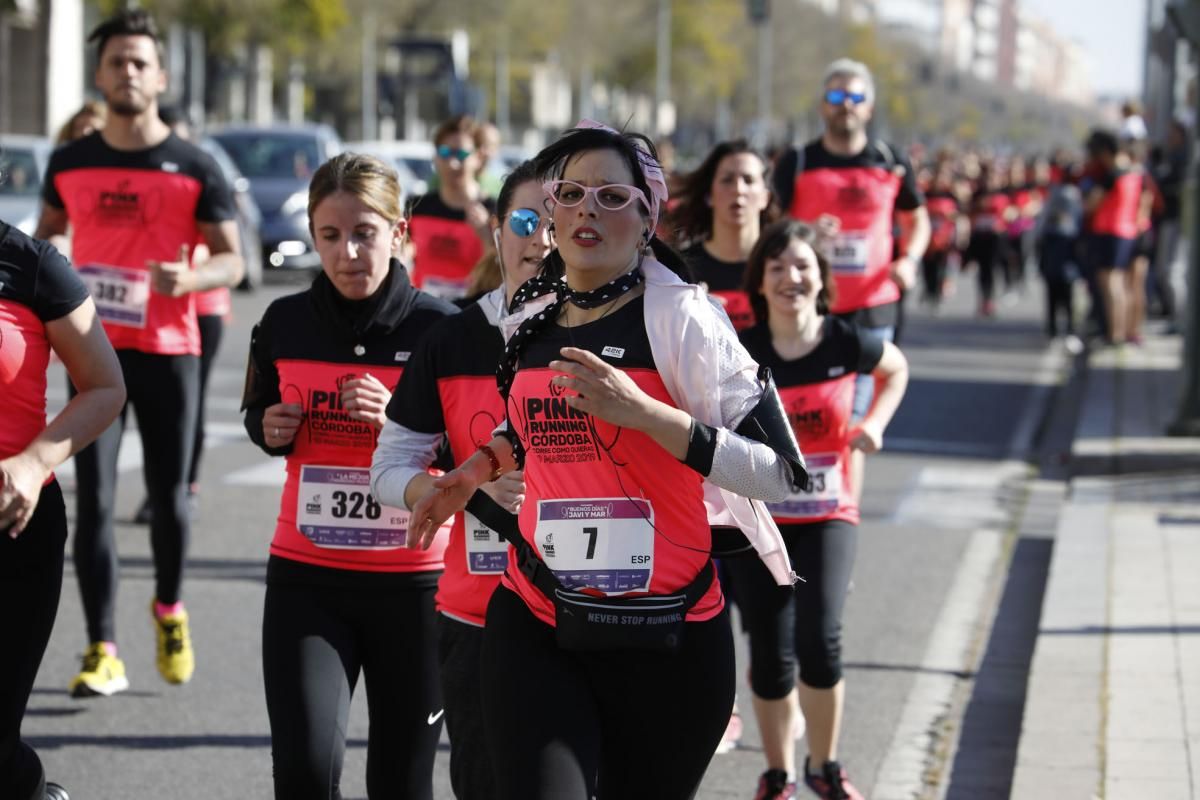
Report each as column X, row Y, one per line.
column 948, row 480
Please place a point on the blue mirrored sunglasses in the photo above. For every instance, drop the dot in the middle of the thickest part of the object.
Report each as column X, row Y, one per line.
column 524, row 222
column 447, row 152
column 836, row 97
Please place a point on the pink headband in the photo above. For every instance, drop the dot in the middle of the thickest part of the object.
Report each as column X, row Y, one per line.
column 651, row 169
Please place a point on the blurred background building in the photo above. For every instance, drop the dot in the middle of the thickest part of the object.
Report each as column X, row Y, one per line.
column 985, row 72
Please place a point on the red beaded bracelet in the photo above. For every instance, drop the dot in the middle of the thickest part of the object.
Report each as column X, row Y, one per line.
column 491, row 457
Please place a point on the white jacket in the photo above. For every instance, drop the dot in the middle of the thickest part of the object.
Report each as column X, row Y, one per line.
column 696, row 351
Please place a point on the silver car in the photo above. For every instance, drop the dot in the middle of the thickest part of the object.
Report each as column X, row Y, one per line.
column 249, row 218
column 23, row 161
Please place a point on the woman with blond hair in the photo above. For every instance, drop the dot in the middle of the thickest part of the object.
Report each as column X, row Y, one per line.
column 344, row 597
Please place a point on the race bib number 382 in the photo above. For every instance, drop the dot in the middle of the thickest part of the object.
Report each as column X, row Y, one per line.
column 603, row 543
column 335, row 509
column 121, row 294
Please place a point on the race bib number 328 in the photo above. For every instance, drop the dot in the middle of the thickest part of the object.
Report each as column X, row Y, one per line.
column 335, row 509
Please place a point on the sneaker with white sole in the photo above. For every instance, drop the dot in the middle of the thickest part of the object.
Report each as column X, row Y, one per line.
column 102, row 675
column 176, row 660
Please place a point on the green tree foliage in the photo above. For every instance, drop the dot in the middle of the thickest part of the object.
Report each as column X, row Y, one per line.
column 289, row 27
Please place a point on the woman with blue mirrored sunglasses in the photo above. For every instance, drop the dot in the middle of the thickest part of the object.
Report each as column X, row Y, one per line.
column 524, row 222
column 452, row 388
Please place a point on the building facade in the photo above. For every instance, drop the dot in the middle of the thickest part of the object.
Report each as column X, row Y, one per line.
column 1169, row 80
column 41, row 64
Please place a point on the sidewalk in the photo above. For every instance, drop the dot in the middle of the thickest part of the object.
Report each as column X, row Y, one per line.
column 1113, row 700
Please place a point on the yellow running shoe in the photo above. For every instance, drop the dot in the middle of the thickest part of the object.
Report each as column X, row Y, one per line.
column 102, row 674
column 176, row 661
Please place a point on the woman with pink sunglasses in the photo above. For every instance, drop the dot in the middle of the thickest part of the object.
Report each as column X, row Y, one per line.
column 607, row 659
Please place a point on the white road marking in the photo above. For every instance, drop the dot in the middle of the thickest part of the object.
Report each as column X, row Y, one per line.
column 268, row 472
column 130, row 457
column 902, row 771
column 958, row 497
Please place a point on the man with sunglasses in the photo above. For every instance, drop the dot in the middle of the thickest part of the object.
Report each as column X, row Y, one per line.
column 853, row 188
column 449, row 225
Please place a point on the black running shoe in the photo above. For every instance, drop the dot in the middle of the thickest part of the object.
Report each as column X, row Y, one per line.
column 831, row 783
column 56, row 792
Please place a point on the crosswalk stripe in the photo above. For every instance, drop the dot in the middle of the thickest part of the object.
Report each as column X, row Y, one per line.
column 130, row 457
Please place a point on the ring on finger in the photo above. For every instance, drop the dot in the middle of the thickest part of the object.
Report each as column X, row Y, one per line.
column 277, row 433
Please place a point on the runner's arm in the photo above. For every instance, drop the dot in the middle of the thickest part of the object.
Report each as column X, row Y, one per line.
column 916, row 222
column 225, row 265
column 891, row 379
column 449, row 493
column 402, row 457
column 79, row 340
column 261, row 391
column 52, row 227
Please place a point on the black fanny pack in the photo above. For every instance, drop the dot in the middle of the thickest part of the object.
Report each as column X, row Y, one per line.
column 587, row 623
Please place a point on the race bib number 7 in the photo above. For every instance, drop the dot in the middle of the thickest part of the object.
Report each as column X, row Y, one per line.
column 605, row 544
column 335, row 509
column 121, row 294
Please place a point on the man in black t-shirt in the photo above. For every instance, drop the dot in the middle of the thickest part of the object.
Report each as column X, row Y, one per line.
column 137, row 200
column 853, row 188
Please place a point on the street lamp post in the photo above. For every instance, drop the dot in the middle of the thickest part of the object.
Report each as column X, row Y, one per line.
column 370, row 115
column 662, row 72
column 759, row 12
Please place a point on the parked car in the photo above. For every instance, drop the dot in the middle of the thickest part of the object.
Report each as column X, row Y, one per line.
column 510, row 156
column 249, row 218
column 23, row 161
column 413, row 161
column 279, row 161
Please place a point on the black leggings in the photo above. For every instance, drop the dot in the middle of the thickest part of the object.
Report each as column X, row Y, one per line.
column 989, row 252
column 459, row 644
column 212, row 329
column 31, row 570
column 933, row 269
column 316, row 640
column 1014, row 260
column 804, row 624
column 616, row 724
column 1058, row 303
column 163, row 391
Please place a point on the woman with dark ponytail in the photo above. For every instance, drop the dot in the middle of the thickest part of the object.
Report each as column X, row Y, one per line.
column 723, row 206
column 623, row 387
